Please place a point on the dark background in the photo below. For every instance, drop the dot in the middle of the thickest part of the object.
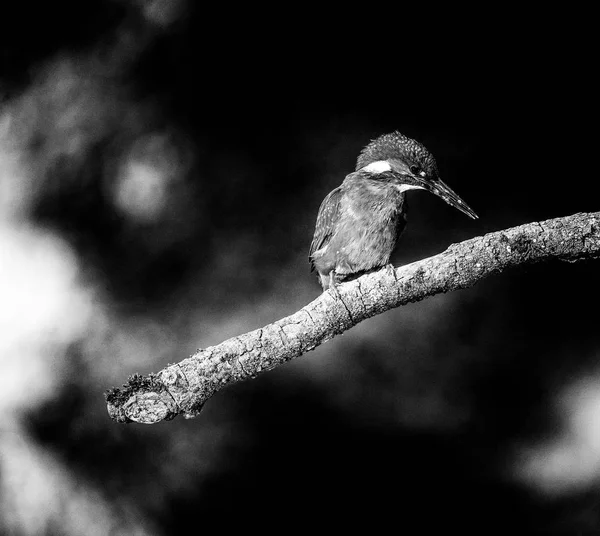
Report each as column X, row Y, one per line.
column 468, row 411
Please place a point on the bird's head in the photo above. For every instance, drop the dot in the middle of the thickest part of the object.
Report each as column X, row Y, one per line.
column 409, row 165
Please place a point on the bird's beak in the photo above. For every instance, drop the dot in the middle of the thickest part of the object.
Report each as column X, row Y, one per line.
column 441, row 189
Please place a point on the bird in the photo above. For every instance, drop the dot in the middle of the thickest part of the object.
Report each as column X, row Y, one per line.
column 360, row 221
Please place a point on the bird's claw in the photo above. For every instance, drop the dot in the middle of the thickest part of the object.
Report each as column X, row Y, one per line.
column 335, row 292
column 333, row 285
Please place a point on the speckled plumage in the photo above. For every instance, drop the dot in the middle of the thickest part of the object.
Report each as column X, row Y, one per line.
column 396, row 145
column 357, row 229
column 359, row 222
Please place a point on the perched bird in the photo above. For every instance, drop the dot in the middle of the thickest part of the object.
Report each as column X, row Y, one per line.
column 360, row 221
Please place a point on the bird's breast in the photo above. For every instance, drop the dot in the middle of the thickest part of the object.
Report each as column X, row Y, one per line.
column 373, row 206
column 366, row 233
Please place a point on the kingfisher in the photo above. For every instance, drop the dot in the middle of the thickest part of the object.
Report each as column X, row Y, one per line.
column 359, row 223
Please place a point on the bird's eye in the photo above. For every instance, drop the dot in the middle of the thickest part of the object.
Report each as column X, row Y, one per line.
column 415, row 170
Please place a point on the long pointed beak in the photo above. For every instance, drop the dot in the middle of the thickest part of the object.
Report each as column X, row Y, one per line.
column 441, row 189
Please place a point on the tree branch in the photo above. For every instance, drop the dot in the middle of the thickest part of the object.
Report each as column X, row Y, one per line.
column 183, row 388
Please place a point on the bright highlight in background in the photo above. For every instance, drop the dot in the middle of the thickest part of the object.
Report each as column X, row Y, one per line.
column 569, row 462
column 43, row 310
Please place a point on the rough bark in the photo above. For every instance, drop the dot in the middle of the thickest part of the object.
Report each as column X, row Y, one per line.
column 184, row 387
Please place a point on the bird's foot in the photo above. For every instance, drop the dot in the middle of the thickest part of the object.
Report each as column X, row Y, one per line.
column 333, row 284
column 390, row 269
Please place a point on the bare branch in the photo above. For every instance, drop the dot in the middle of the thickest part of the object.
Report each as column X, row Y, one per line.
column 183, row 388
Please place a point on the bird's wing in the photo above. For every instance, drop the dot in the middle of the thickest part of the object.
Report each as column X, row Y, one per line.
column 326, row 219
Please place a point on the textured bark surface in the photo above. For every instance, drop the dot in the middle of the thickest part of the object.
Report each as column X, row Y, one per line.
column 183, row 388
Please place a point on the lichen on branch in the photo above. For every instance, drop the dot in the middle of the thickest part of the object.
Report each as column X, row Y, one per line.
column 183, row 388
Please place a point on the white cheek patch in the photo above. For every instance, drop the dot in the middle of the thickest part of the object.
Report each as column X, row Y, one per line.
column 381, row 166
column 406, row 187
